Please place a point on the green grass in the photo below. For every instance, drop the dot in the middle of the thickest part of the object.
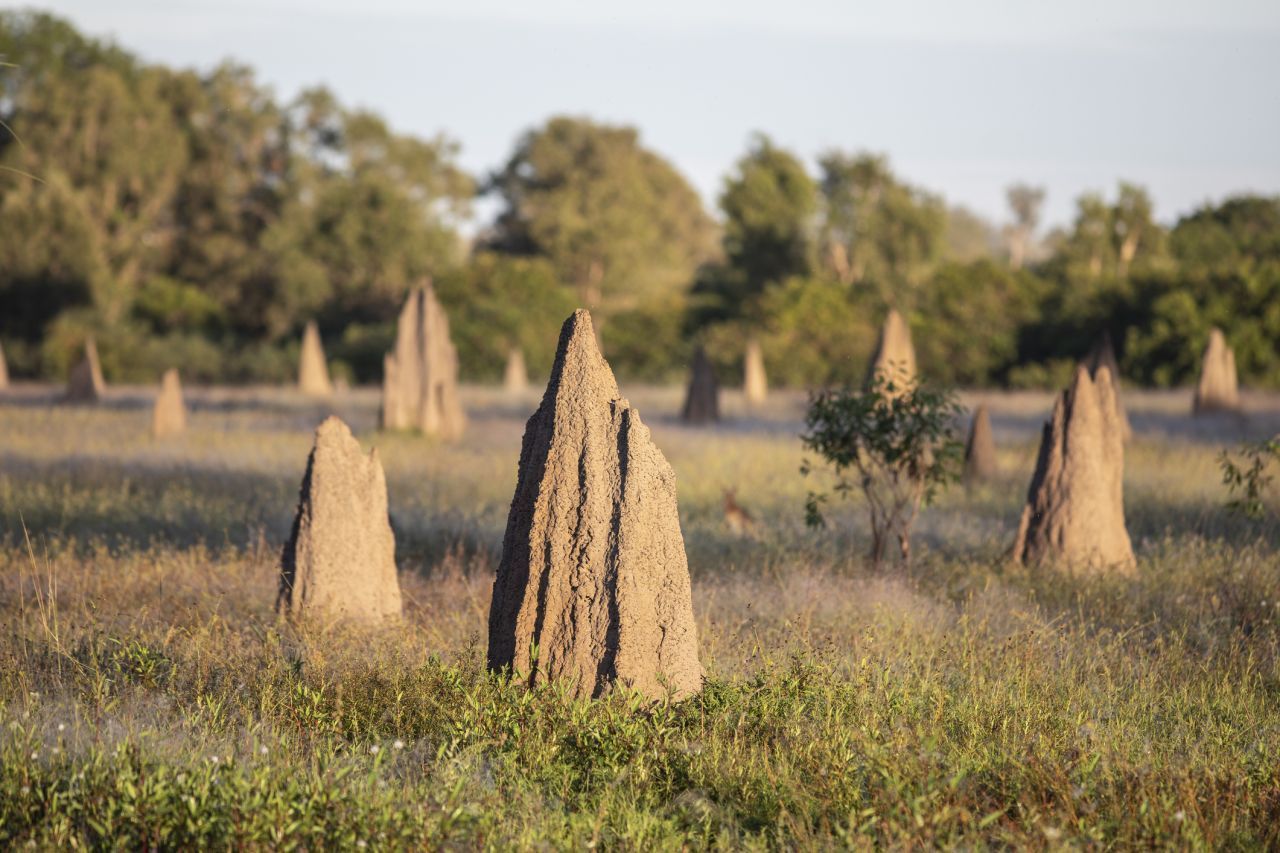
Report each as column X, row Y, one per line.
column 148, row 697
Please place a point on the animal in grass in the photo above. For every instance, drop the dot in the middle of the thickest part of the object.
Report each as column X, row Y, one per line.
column 736, row 518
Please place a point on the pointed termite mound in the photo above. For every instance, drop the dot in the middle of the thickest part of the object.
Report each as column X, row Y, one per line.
column 169, row 415
column 313, row 373
column 593, row 586
column 85, row 383
column 702, row 401
column 980, row 450
column 340, row 560
column 895, row 357
column 1103, row 354
column 420, row 377
column 515, row 380
column 1217, row 390
column 1074, row 515
column 755, row 383
column 4, row 370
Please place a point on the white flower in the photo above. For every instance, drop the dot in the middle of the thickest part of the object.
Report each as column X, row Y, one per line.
column 399, row 744
column 362, row 844
column 62, row 727
column 34, row 755
column 375, row 749
column 263, row 750
column 1179, row 815
column 213, row 758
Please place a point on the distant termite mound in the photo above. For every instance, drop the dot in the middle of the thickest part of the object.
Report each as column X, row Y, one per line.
column 85, row 383
column 313, row 372
column 593, row 585
column 980, row 450
column 1217, row 390
column 755, row 382
column 1074, row 517
column 339, row 562
column 895, row 356
column 169, row 415
column 515, row 379
column 420, row 376
column 702, row 400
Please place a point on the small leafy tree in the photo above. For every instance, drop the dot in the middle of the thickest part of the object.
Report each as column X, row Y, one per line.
column 895, row 444
column 1249, row 479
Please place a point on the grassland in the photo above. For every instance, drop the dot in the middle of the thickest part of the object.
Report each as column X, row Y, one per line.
column 148, row 697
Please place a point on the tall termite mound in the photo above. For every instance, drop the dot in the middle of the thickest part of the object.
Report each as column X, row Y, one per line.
column 85, row 383
column 895, row 356
column 702, row 400
column 593, row 585
column 340, row 560
column 1074, row 515
column 1217, row 390
column 515, row 379
column 1102, row 355
column 4, row 370
column 980, row 450
column 755, row 382
column 169, row 415
column 313, row 373
column 420, row 376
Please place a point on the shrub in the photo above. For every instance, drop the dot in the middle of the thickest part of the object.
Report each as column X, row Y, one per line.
column 897, row 445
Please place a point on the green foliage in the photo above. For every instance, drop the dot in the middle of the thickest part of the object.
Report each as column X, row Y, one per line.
column 768, row 204
column 188, row 215
column 1249, row 479
column 962, row 298
column 184, row 205
column 648, row 343
column 617, row 222
column 817, row 332
column 896, row 445
column 877, row 229
column 497, row 302
column 1227, row 275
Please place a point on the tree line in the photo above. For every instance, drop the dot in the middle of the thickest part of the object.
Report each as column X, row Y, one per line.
column 194, row 219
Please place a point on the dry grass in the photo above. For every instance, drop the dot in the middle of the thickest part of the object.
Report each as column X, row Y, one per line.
column 963, row 703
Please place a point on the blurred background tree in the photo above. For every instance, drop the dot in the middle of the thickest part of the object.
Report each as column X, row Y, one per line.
column 617, row 222
column 194, row 219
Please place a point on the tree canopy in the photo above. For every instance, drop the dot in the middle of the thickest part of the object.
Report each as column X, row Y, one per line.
column 195, row 218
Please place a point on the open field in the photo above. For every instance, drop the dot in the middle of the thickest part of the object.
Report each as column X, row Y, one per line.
column 148, row 697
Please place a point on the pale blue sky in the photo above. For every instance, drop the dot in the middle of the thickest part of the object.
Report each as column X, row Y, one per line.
column 964, row 97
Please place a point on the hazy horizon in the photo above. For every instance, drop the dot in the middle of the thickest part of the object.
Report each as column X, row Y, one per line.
column 963, row 101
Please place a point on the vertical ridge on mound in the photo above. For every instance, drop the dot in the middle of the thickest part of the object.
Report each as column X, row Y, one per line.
column 339, row 562
column 313, row 372
column 169, row 415
column 593, row 585
column 895, row 357
column 702, row 400
column 755, row 382
column 420, row 375
column 4, row 370
column 1217, row 390
column 1074, row 516
column 85, row 383
column 980, row 450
